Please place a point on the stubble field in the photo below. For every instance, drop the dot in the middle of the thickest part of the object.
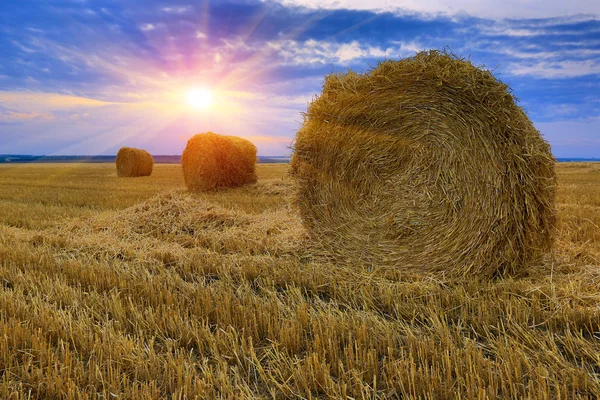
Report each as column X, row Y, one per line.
column 135, row 289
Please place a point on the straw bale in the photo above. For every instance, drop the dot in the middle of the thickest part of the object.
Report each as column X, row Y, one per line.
column 426, row 164
column 212, row 161
column 132, row 162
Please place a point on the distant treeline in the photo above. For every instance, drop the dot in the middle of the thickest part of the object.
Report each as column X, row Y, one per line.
column 20, row 158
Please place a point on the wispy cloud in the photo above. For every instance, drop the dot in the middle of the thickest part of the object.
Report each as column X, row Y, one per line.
column 558, row 48
column 36, row 102
column 561, row 110
column 482, row 8
column 21, row 116
column 314, row 51
column 555, row 69
column 509, row 29
column 177, row 9
column 545, row 55
column 147, row 27
column 22, row 47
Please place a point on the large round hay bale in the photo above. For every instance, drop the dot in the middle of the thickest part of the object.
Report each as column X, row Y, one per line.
column 426, row 164
column 212, row 161
column 133, row 162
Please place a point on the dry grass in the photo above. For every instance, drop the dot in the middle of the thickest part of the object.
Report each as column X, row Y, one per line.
column 425, row 164
column 212, row 161
column 165, row 294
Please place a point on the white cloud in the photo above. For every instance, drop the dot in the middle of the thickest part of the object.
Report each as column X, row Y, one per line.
column 407, row 48
column 562, row 55
column 555, row 69
column 147, row 27
column 200, row 35
column 177, row 9
column 561, row 110
column 314, row 51
column 483, row 8
column 349, row 51
column 502, row 28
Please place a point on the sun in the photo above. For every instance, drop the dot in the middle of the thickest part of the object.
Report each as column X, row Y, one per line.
column 199, row 98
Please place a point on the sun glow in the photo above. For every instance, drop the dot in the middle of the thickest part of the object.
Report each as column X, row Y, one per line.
column 199, row 98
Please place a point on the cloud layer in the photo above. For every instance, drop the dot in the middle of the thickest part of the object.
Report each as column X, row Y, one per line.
column 87, row 77
column 482, row 9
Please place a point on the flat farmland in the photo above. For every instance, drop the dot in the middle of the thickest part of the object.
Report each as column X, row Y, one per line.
column 133, row 288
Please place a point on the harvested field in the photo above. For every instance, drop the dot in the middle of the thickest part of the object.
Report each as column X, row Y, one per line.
column 137, row 289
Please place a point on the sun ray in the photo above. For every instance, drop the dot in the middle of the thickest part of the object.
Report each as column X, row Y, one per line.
column 258, row 63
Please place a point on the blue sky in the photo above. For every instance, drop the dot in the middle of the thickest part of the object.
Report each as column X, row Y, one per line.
column 90, row 76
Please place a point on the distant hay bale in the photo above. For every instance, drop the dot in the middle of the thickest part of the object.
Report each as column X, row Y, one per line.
column 133, row 162
column 212, row 161
column 425, row 164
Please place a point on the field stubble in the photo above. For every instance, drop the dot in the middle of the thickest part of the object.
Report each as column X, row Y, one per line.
column 134, row 288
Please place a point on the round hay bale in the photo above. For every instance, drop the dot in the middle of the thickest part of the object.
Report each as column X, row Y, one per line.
column 133, row 162
column 212, row 161
column 427, row 164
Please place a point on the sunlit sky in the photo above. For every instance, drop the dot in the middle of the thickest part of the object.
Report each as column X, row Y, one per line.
column 89, row 76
